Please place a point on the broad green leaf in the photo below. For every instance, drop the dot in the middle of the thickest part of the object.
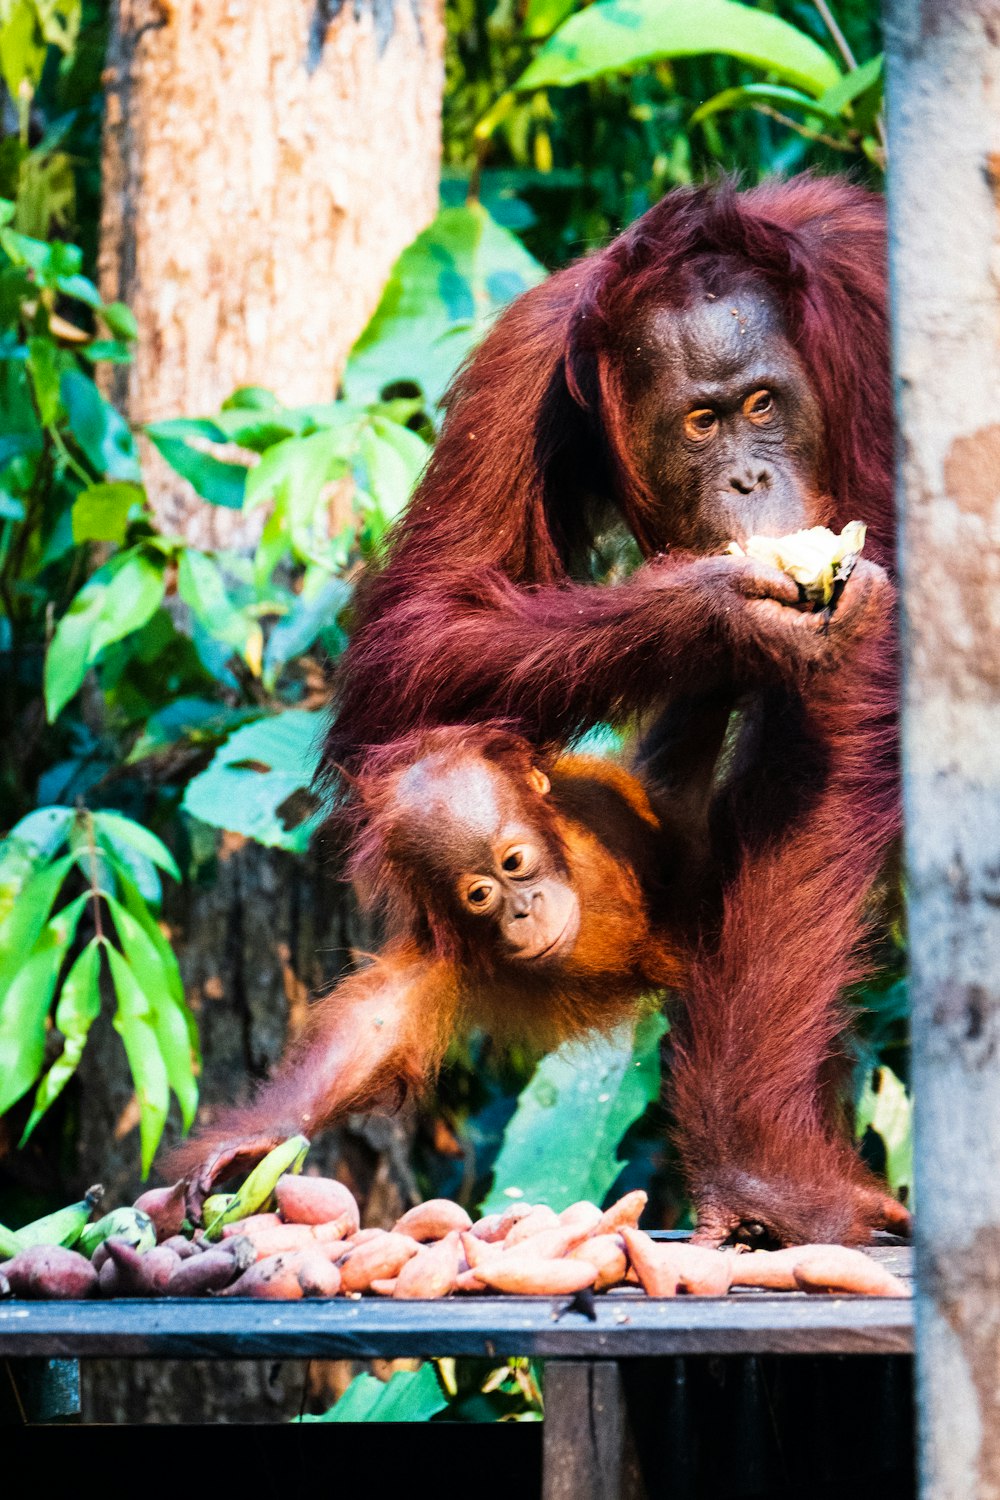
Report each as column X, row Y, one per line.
column 43, row 366
column 254, row 773
column 78, row 1008
column 28, row 914
column 25, row 1005
column 886, row 1108
column 134, row 1023
column 45, row 829
column 561, row 1142
column 102, row 435
column 201, row 585
column 617, row 35
column 308, row 619
column 121, row 320
column 201, row 721
column 115, row 829
column 115, row 601
column 543, row 16
column 443, row 293
column 849, row 88
column 394, row 458
column 409, row 1396
column 761, row 93
column 214, row 479
column 295, row 474
column 171, row 1021
column 140, row 912
column 101, row 512
column 22, row 54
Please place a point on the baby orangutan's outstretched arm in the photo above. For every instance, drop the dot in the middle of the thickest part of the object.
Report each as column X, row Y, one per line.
column 382, row 1031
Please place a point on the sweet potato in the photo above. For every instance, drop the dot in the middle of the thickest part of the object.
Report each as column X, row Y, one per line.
column 468, row 1281
column 835, row 1268
column 585, row 1214
column 488, row 1228
column 625, row 1214
column 288, row 1277
column 539, row 1218
column 180, row 1245
column 703, row 1272
column 383, row 1286
column 49, row 1271
column 284, row 1237
column 771, row 1269
column 655, row 1264
column 166, row 1207
column 511, row 1216
column 316, row 1200
column 477, row 1251
column 606, row 1253
column 375, row 1260
column 531, row 1276
column 550, row 1244
column 252, row 1224
column 432, row 1220
column 208, row 1272
column 432, row 1271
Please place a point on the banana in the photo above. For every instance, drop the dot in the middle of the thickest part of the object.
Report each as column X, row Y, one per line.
column 10, row 1243
column 216, row 1205
column 817, row 559
column 128, row 1224
column 65, row 1226
column 259, row 1186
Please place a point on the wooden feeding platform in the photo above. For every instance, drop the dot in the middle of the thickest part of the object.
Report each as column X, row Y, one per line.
column 629, row 1380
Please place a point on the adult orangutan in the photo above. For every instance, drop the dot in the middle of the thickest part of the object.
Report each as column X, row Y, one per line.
column 720, row 370
column 528, row 898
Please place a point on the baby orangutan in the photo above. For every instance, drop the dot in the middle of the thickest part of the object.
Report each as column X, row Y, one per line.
column 525, row 901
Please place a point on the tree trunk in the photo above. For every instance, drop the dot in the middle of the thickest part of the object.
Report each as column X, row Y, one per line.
column 944, row 150
column 264, row 165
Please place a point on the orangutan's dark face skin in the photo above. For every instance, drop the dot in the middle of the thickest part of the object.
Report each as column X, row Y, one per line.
column 504, row 876
column 726, row 429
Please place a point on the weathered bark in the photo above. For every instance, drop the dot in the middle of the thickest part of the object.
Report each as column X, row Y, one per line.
column 255, row 944
column 944, row 151
column 264, row 165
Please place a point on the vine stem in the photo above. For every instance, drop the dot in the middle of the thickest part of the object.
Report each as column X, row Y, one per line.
column 840, row 41
column 95, row 890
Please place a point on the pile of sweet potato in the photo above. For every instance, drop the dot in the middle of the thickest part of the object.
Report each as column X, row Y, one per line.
column 310, row 1244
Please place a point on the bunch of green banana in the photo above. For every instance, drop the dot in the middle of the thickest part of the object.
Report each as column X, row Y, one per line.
column 64, row 1227
column 817, row 559
column 255, row 1194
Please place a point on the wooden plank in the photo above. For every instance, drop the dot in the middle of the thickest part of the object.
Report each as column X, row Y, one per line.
column 625, row 1326
column 586, row 1443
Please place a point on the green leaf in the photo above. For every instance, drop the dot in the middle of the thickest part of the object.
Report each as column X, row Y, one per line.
column 101, row 512
column 885, row 1107
column 171, row 1022
column 137, row 908
column 409, row 1396
column 761, row 93
column 215, row 480
column 254, row 773
column 443, row 293
column 543, row 16
column 22, row 56
column 115, row 601
column 27, row 915
column 308, row 619
column 618, row 35
column 45, row 829
column 103, row 435
column 26, row 1002
column 200, row 584
column 295, row 474
column 134, row 1023
column 561, row 1142
column 78, row 1008
column 394, row 458
column 852, row 85
column 115, row 829
column 121, row 320
column 43, row 366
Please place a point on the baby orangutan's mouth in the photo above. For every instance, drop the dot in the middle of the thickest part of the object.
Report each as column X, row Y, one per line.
column 558, row 946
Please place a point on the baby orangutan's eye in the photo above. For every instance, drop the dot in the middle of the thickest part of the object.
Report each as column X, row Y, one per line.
column 479, row 895
column 519, row 860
